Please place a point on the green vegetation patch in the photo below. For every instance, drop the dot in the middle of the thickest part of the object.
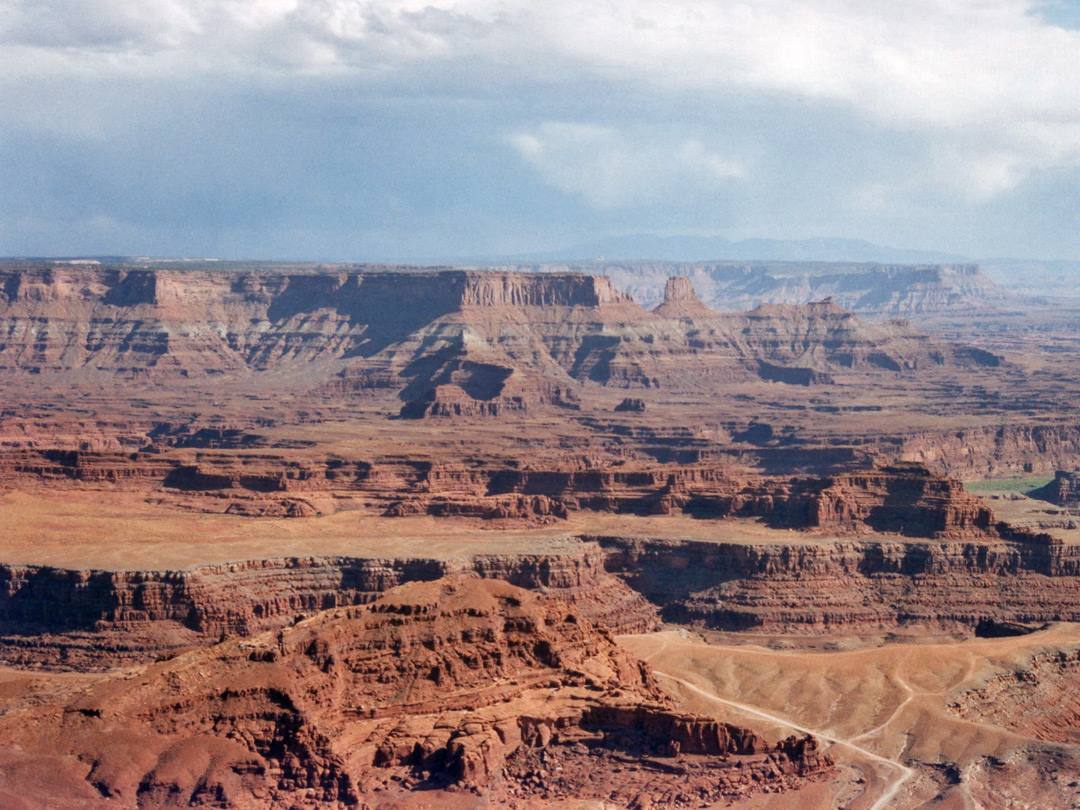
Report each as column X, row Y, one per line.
column 1008, row 484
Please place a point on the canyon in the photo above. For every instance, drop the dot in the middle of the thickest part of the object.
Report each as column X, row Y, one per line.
column 236, row 497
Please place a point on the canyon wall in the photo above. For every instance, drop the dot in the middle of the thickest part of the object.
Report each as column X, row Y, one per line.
column 97, row 618
column 237, row 350
column 92, row 618
column 850, row 586
column 161, row 323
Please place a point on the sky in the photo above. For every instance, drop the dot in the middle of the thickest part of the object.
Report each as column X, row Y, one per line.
column 432, row 129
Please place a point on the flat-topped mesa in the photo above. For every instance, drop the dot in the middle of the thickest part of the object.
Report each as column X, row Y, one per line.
column 458, row 684
column 903, row 498
column 505, row 289
column 681, row 300
column 126, row 287
column 171, row 323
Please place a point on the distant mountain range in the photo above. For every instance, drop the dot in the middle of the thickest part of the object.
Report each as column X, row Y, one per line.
column 715, row 248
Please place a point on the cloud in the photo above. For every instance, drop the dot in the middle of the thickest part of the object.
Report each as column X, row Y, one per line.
column 616, row 169
column 885, row 121
column 991, row 79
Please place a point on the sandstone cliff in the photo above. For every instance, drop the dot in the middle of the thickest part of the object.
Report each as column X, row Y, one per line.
column 88, row 619
column 409, row 328
column 857, row 586
column 229, row 356
column 459, row 685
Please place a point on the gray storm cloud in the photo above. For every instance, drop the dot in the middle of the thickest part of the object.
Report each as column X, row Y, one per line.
column 619, row 105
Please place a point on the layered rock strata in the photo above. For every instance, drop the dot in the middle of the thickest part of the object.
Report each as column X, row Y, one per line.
column 419, row 330
column 877, row 586
column 903, row 498
column 86, row 619
column 451, row 687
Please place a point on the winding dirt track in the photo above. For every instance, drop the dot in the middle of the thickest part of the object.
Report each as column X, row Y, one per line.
column 903, row 772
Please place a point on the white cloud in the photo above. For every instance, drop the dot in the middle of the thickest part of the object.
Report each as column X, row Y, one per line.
column 875, row 111
column 989, row 80
column 613, row 168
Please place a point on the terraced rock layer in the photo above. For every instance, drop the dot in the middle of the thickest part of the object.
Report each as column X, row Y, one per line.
column 73, row 619
column 93, row 619
column 473, row 330
column 851, row 586
column 131, row 358
column 471, row 690
column 903, row 498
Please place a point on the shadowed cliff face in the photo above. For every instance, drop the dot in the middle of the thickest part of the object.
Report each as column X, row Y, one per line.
column 1064, row 490
column 124, row 320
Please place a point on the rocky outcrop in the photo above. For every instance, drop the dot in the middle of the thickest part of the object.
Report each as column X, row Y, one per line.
column 455, row 685
column 905, row 499
column 514, row 393
column 1064, row 490
column 631, row 405
column 1037, row 698
column 681, row 300
column 793, row 375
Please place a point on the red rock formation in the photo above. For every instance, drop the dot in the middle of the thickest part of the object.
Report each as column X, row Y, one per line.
column 94, row 619
column 681, row 300
column 906, row 499
column 392, row 326
column 459, row 684
column 1064, row 490
column 1038, row 698
column 903, row 498
column 858, row 586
